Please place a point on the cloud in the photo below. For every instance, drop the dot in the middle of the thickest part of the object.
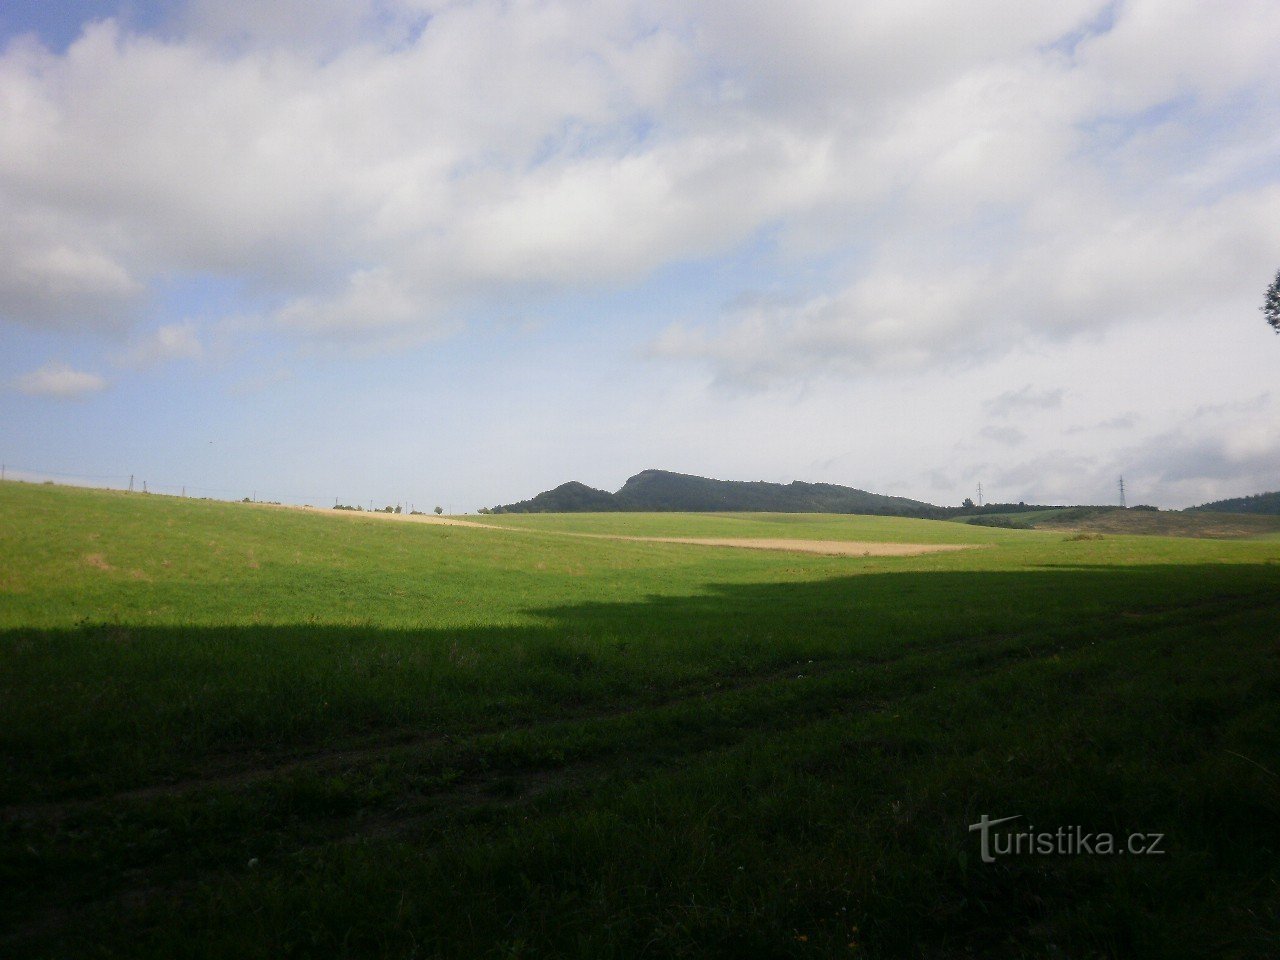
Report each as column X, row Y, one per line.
column 1024, row 398
column 59, row 381
column 64, row 284
column 1125, row 421
column 1009, row 436
column 1214, row 451
column 981, row 181
column 1065, row 279
column 173, row 341
column 398, row 155
column 1013, row 203
column 1057, row 477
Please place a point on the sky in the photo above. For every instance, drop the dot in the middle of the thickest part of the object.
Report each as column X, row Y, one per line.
column 456, row 253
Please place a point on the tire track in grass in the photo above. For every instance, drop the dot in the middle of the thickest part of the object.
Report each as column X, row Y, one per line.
column 379, row 746
column 671, row 741
column 234, row 773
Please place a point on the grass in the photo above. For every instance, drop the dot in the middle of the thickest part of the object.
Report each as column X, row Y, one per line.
column 236, row 730
column 1161, row 523
column 799, row 526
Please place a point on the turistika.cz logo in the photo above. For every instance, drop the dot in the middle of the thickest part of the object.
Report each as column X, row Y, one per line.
column 1065, row 841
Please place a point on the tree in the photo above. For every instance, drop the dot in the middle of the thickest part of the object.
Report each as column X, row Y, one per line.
column 1271, row 306
column 968, row 503
column 439, row 510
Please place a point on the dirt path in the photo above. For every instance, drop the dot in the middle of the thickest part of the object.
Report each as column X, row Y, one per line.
column 830, row 548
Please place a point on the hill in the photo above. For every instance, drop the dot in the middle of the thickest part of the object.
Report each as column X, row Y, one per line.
column 662, row 491
column 1161, row 523
column 1267, row 503
column 571, row 497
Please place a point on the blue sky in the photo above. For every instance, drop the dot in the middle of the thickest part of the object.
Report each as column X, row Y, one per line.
column 456, row 253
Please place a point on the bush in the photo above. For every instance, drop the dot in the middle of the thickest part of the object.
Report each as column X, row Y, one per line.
column 1007, row 523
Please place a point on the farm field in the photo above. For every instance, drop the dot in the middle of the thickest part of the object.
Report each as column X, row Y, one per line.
column 800, row 526
column 237, row 730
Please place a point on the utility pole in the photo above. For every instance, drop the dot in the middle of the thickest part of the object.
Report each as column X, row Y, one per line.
column 131, row 483
column 1122, row 503
column 144, row 486
column 979, row 493
column 184, row 492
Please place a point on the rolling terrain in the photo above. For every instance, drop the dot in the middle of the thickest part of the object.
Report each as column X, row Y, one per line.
column 662, row 490
column 1143, row 522
column 239, row 730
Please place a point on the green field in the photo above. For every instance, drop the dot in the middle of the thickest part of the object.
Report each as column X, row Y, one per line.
column 238, row 731
column 799, row 526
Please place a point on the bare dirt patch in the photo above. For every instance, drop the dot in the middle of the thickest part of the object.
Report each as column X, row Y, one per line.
column 382, row 515
column 97, row 561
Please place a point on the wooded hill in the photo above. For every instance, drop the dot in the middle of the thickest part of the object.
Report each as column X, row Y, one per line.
column 1268, row 503
column 661, row 490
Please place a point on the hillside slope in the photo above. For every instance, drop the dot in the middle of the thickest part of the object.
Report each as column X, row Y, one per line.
column 1161, row 523
column 1265, row 503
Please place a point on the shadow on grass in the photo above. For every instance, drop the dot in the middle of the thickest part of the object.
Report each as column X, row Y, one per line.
column 110, row 706
column 797, row 759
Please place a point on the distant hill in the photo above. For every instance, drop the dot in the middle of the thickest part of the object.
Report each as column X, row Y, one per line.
column 571, row 497
column 1268, row 503
column 661, row 490
column 1160, row 523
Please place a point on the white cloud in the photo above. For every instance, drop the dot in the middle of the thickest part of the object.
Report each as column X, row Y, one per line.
column 1206, row 454
column 1125, row 421
column 1065, row 279
column 1009, row 436
column 1023, row 399
column 59, row 381
column 436, row 154
column 1219, row 451
column 172, row 341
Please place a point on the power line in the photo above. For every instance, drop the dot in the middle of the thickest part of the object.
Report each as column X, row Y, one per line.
column 130, row 482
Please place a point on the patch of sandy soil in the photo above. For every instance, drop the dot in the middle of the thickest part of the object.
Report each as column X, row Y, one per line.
column 831, row 548
column 378, row 515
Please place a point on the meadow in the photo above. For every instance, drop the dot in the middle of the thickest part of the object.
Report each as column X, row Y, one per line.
column 238, row 730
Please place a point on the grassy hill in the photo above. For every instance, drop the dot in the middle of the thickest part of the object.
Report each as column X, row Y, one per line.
column 238, row 730
column 1161, row 523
